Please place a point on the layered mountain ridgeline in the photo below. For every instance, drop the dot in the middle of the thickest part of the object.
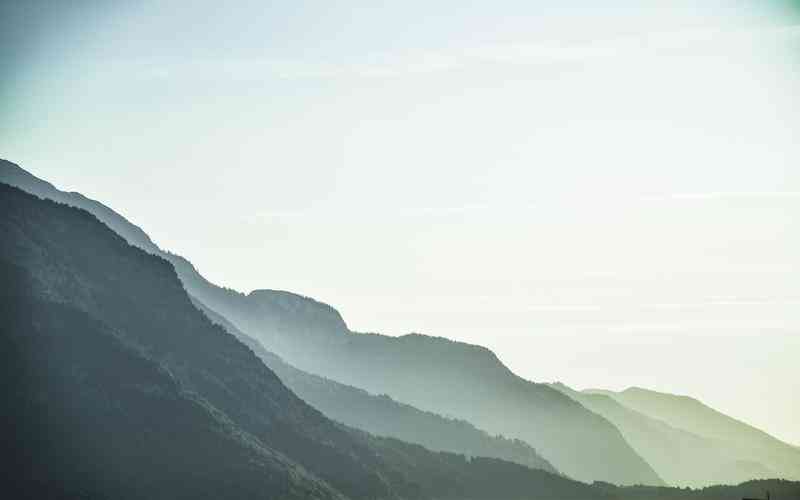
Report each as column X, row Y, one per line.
column 121, row 388
column 738, row 439
column 437, row 375
column 680, row 457
column 445, row 377
column 384, row 416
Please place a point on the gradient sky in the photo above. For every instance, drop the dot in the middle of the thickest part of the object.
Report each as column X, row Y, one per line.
column 607, row 196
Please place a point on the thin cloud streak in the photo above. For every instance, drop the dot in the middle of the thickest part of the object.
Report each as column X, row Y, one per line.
column 478, row 209
column 665, row 305
column 717, row 195
column 518, row 54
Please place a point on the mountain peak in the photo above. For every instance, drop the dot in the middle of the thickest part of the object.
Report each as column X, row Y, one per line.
column 289, row 307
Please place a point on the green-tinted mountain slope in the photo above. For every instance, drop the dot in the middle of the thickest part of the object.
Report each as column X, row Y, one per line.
column 744, row 442
column 680, row 457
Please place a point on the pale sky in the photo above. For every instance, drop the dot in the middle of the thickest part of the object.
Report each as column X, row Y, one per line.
column 606, row 196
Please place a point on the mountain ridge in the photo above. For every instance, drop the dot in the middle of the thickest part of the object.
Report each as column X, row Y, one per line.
column 682, row 458
column 69, row 259
column 381, row 415
column 307, row 342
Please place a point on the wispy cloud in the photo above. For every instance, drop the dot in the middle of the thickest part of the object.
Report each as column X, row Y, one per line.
column 720, row 195
column 666, row 306
column 540, row 53
column 497, row 209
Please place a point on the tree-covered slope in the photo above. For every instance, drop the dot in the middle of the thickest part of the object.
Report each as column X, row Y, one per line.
column 778, row 489
column 87, row 414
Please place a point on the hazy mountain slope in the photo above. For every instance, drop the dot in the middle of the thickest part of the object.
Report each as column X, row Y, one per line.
column 70, row 260
column 383, row 416
column 312, row 336
column 444, row 377
column 692, row 415
column 680, row 457
column 14, row 175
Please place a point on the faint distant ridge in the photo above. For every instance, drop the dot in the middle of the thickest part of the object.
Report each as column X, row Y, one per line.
column 682, row 458
column 742, row 440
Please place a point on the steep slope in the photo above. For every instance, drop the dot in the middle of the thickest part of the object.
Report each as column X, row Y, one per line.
column 69, row 261
column 433, row 374
column 383, row 416
column 680, row 457
column 89, row 415
column 691, row 415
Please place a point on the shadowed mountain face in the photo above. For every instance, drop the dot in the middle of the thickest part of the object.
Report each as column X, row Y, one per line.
column 120, row 387
column 680, row 457
column 738, row 439
column 383, row 416
column 90, row 415
column 433, row 374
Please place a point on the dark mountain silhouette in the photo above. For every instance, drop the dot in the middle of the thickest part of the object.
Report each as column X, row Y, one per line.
column 739, row 439
column 437, row 375
column 777, row 488
column 680, row 457
column 381, row 415
column 119, row 387
column 88, row 415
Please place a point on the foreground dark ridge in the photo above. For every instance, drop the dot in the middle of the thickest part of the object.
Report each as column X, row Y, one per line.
column 119, row 387
column 312, row 336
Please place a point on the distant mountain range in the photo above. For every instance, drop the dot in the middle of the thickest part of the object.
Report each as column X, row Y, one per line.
column 681, row 457
column 397, row 387
column 745, row 446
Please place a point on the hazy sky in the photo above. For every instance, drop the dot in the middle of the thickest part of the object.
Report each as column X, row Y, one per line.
column 607, row 196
